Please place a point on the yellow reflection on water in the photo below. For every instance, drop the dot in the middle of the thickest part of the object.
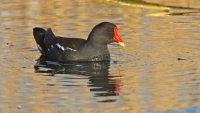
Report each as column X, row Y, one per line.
column 148, row 74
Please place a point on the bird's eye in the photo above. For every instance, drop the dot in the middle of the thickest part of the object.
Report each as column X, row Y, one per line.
column 109, row 30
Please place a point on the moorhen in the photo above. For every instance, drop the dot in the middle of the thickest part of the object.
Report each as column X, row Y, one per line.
column 95, row 48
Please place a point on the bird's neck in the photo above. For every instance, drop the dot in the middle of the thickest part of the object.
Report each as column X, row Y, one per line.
column 95, row 40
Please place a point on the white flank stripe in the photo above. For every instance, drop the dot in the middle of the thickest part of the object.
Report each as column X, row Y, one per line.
column 70, row 49
column 51, row 46
column 61, row 47
column 39, row 47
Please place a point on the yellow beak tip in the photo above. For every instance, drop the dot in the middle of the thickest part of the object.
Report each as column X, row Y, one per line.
column 121, row 44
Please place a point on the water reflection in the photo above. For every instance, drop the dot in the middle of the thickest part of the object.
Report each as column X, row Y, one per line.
column 162, row 8
column 153, row 79
column 147, row 4
column 97, row 73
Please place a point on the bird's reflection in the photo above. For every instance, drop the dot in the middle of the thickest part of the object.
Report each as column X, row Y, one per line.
column 97, row 72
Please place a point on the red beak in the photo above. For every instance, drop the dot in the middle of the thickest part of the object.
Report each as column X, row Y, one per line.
column 117, row 38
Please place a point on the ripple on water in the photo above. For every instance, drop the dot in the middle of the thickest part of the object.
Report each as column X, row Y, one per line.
column 145, row 76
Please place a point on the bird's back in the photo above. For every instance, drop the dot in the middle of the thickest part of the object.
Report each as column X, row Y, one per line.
column 55, row 47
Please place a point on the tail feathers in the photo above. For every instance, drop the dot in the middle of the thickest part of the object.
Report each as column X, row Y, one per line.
column 49, row 36
column 39, row 35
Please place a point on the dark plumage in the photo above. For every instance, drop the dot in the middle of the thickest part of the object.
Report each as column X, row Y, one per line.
column 75, row 49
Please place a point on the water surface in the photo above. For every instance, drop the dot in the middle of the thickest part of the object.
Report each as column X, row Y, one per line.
column 157, row 71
